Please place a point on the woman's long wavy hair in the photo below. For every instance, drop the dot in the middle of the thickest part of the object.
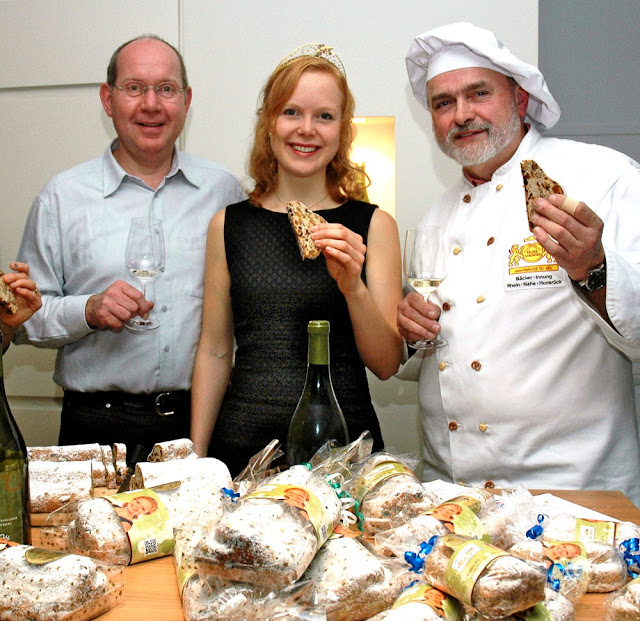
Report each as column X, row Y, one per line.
column 344, row 179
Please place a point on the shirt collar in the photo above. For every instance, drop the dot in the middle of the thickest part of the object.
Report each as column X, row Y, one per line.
column 114, row 173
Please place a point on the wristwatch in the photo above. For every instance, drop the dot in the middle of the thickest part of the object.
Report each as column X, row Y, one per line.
column 596, row 278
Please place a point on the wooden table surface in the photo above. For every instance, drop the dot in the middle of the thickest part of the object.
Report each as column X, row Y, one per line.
column 151, row 590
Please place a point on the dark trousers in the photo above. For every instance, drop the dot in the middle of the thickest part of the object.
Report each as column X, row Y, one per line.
column 110, row 417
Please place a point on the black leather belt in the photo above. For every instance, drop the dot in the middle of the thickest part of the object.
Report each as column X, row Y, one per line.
column 161, row 403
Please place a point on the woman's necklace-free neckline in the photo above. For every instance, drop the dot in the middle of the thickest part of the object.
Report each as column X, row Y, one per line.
column 307, row 206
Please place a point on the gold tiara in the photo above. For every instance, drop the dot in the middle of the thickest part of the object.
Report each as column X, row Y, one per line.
column 314, row 50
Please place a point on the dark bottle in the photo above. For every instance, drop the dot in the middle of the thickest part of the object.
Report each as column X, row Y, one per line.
column 318, row 417
column 14, row 517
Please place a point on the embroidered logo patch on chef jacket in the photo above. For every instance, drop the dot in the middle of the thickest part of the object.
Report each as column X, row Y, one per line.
column 530, row 266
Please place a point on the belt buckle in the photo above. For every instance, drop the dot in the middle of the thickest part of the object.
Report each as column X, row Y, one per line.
column 159, row 400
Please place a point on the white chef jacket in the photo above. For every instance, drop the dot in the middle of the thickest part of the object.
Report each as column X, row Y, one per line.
column 531, row 388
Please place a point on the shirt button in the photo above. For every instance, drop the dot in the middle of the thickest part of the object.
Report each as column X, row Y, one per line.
column 162, row 269
column 480, row 299
column 446, row 306
column 442, row 366
column 164, row 309
column 499, row 187
column 490, row 485
column 490, row 241
column 457, row 250
column 475, row 365
column 467, row 198
column 453, row 426
column 483, row 427
column 107, row 405
column 167, row 348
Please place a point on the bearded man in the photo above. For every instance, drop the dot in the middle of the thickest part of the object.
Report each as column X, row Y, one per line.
column 534, row 385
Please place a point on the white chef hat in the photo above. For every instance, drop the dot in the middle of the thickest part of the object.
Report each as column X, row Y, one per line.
column 462, row 45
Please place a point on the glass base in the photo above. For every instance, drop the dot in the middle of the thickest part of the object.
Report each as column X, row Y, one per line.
column 429, row 345
column 142, row 325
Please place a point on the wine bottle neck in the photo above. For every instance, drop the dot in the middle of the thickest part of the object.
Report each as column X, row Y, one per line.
column 318, row 350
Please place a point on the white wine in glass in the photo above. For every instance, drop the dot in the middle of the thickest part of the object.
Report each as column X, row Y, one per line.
column 144, row 258
column 424, row 269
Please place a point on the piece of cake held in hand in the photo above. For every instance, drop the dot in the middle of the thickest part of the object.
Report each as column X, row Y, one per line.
column 302, row 220
column 536, row 185
column 8, row 300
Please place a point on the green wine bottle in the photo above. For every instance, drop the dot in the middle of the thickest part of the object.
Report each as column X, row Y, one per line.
column 317, row 418
column 14, row 516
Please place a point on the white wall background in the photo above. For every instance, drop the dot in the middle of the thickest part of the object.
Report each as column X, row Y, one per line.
column 55, row 54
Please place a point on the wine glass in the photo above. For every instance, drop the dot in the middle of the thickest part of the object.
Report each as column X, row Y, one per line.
column 424, row 269
column 144, row 258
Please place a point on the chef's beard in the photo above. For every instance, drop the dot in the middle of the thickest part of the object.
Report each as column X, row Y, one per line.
column 498, row 137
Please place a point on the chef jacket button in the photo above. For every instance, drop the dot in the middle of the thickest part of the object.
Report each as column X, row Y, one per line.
column 107, row 405
column 467, row 198
column 483, row 427
column 442, row 366
column 490, row 485
column 167, row 348
column 446, row 306
column 480, row 299
column 499, row 187
column 457, row 250
column 490, row 240
column 476, row 365
column 453, row 426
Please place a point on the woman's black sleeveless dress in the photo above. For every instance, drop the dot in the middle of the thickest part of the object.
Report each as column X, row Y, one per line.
column 274, row 295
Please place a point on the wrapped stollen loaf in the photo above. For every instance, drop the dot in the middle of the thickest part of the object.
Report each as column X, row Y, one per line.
column 54, row 484
column 624, row 605
column 571, row 528
column 480, row 575
column 457, row 515
column 568, row 567
column 555, row 607
column 40, row 585
column 271, row 535
column 603, row 540
column 140, row 524
column 387, row 490
column 422, row 602
column 352, row 584
column 122, row 529
column 171, row 450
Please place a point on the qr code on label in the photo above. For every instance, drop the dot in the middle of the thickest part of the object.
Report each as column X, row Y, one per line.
column 150, row 547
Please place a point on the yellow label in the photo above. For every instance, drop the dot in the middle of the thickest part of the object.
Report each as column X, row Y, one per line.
column 444, row 606
column 380, row 472
column 595, row 530
column 306, row 502
column 468, row 561
column 146, row 522
column 460, row 519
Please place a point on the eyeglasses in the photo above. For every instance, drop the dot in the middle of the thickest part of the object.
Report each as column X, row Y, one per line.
column 166, row 90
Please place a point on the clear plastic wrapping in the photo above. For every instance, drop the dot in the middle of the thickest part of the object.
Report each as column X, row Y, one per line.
column 39, row 585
